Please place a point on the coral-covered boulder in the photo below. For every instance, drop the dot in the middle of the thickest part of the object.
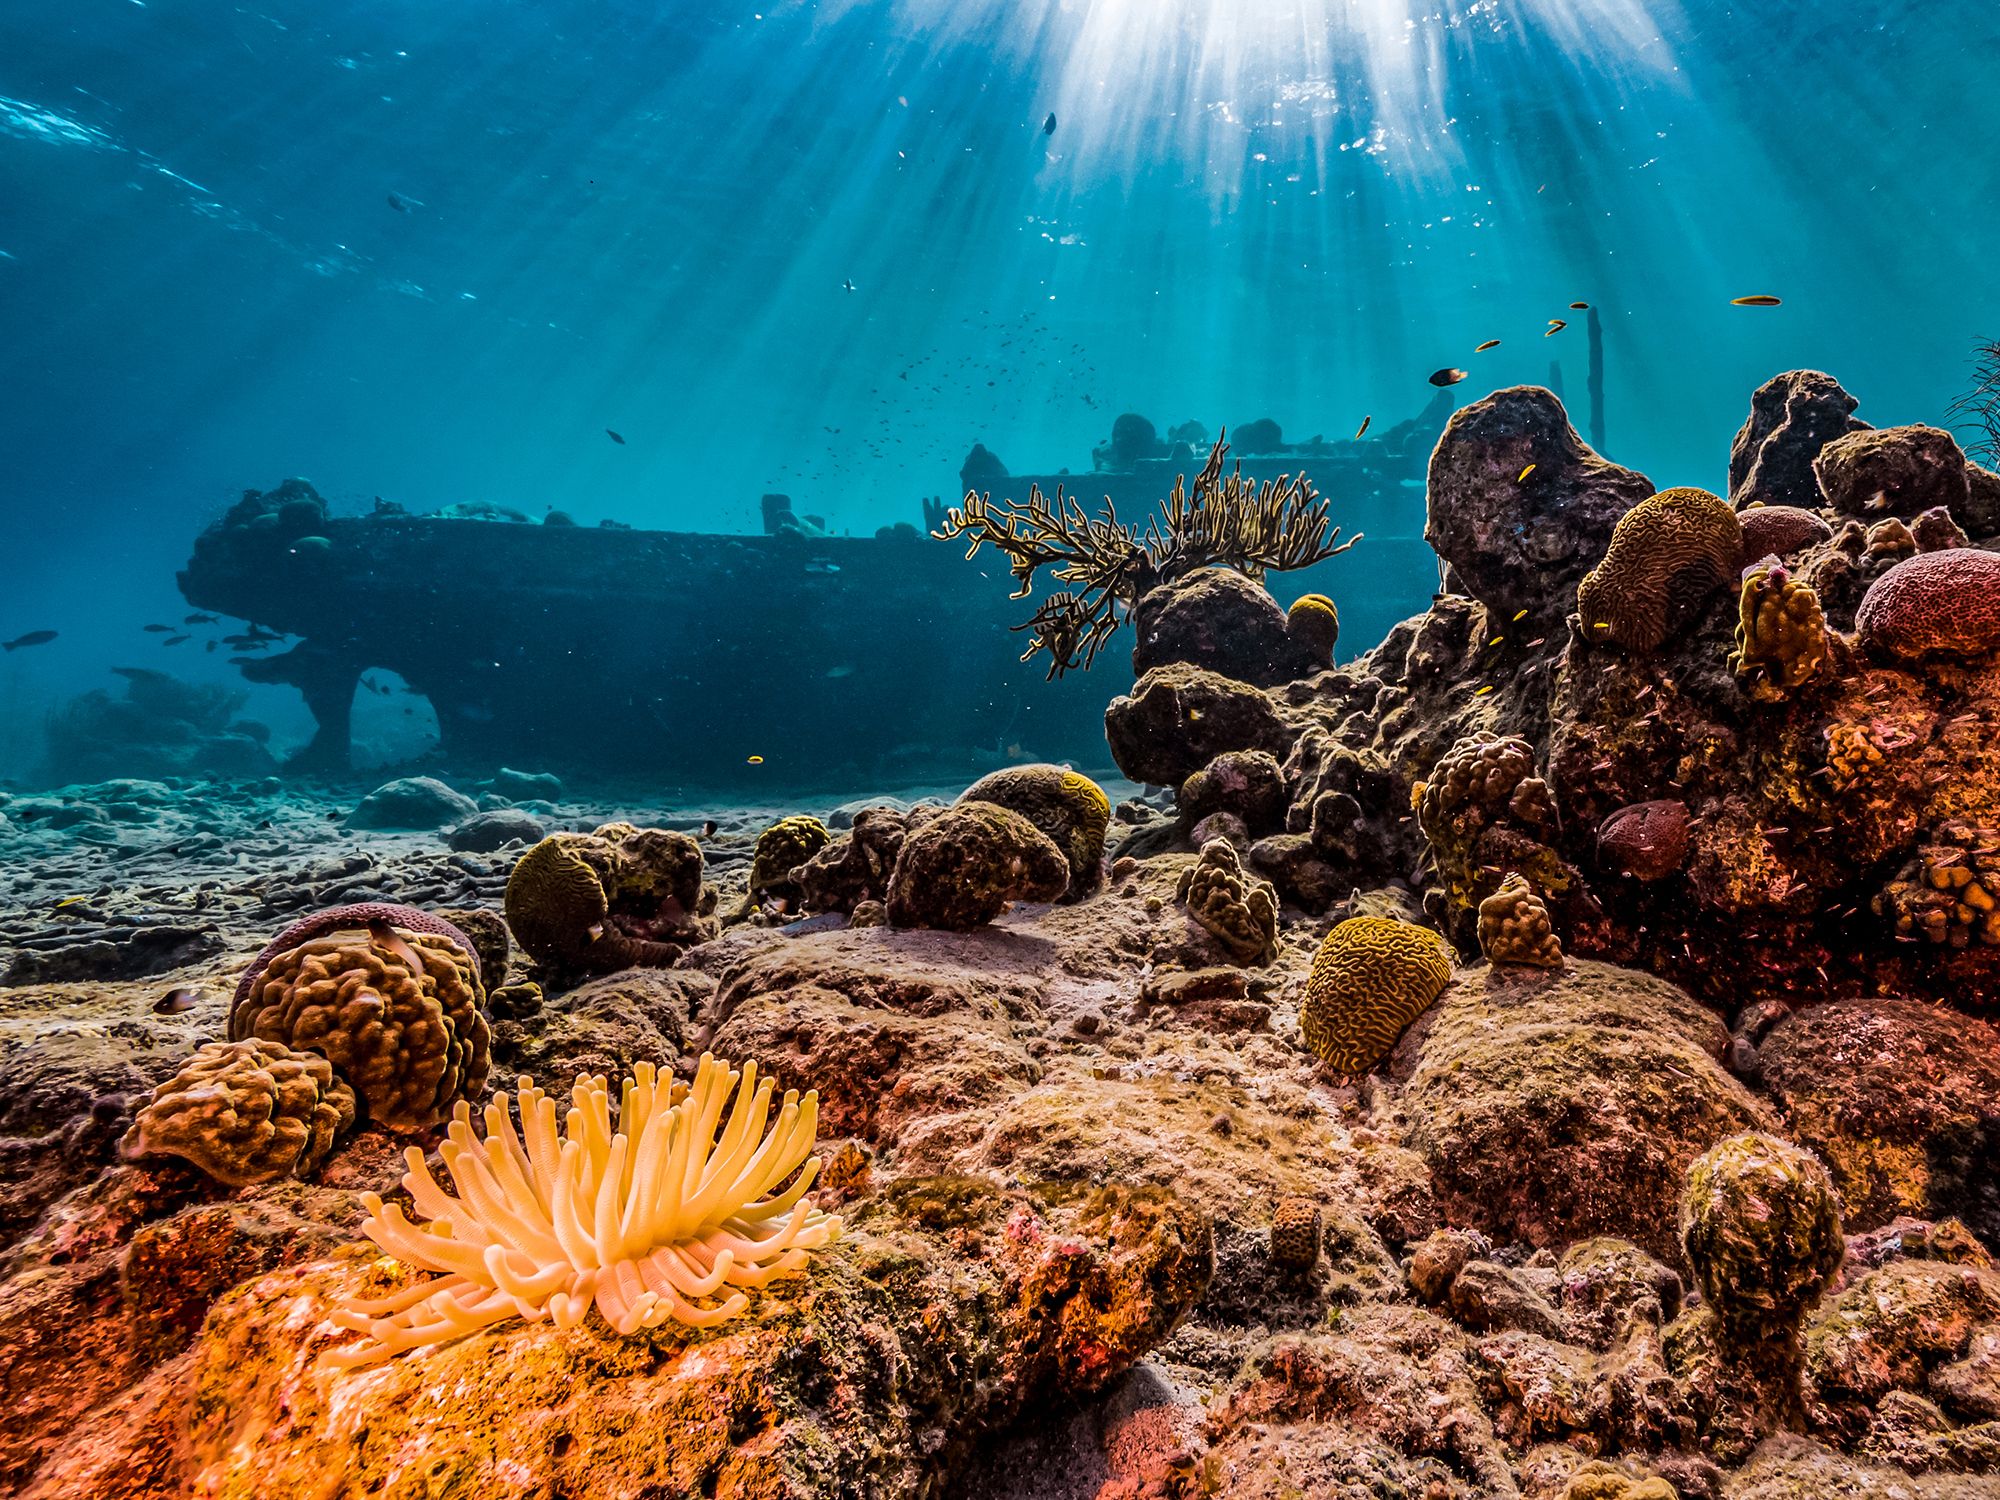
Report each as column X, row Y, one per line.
column 856, row 866
column 245, row 1112
column 1647, row 840
column 1780, row 530
column 1897, row 471
column 1248, row 783
column 1314, row 624
column 1792, row 417
column 1222, row 621
column 1936, row 604
column 1761, row 1230
column 1237, row 909
column 1518, row 539
column 1902, row 1102
column 1514, row 927
column 963, row 866
column 1179, row 718
column 781, row 849
column 618, row 898
column 1668, row 556
column 1560, row 1104
column 1066, row 805
column 412, row 802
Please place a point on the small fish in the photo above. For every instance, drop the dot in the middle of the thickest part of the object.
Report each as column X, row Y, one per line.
column 1579, row 307
column 1362, row 428
column 403, row 205
column 847, row 284
column 1484, row 691
column 69, row 901
column 754, row 760
column 1049, row 125
column 708, row 829
column 1489, row 344
column 1556, row 326
column 175, row 1001
column 614, row 437
column 173, row 640
column 1762, row 299
column 1446, row 376
column 246, row 642
column 843, row 670
column 157, row 629
column 1496, row 640
column 199, row 619
column 1520, row 477
column 1520, row 614
column 32, row 638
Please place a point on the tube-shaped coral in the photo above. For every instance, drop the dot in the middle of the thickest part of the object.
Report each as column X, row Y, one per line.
column 651, row 1215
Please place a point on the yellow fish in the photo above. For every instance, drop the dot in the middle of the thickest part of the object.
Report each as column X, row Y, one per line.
column 1521, row 614
column 1579, row 307
column 1762, row 299
column 1556, row 326
column 1484, row 691
column 1363, row 427
column 755, row 760
column 1523, row 475
column 1489, row 344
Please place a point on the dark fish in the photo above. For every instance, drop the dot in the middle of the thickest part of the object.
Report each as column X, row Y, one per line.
column 257, row 632
column 1579, row 307
column 174, row 1002
column 403, row 205
column 1362, row 428
column 847, row 284
column 32, row 638
column 1762, row 299
column 199, row 620
column 157, row 629
column 1049, row 125
column 614, row 437
column 210, row 646
column 1489, row 344
column 246, row 642
column 1446, row 376
column 173, row 640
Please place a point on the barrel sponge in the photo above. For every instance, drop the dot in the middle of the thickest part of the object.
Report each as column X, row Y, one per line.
column 398, row 1013
column 961, row 868
column 1761, row 1228
column 1240, row 910
column 1934, row 604
column 1372, row 977
column 1780, row 530
column 1066, row 805
column 782, row 848
column 245, row 1112
column 1314, row 623
column 1514, row 927
column 1781, row 640
column 1668, row 555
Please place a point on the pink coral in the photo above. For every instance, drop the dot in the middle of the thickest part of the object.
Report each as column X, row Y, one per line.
column 1934, row 604
column 1647, row 840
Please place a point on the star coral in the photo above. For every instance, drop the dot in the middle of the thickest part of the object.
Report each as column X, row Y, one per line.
column 648, row 1214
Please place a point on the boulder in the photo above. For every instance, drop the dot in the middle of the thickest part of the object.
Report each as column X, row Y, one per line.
column 412, row 802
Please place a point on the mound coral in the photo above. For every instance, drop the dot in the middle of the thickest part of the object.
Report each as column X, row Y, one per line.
column 397, row 1011
column 649, row 1215
column 618, row 898
column 1949, row 891
column 1228, row 520
column 1896, row 471
column 1371, row 978
column 1248, row 783
column 1066, row 805
column 1779, row 530
column 1485, row 810
column 1668, row 555
column 1295, row 1234
column 1314, row 623
column 1234, row 905
column 1761, row 1228
column 854, row 869
column 1781, row 640
column 1934, row 604
column 961, row 868
column 781, row 849
column 245, row 1112
column 1514, row 927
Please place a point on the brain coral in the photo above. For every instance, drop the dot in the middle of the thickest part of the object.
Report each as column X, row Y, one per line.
column 1234, row 905
column 1761, row 1228
column 1066, row 805
column 399, row 1014
column 1934, row 604
column 1314, row 623
column 961, row 868
column 1778, row 530
column 1668, row 555
column 1372, row 977
column 781, row 849
column 645, row 1212
column 1781, row 640
column 1514, row 927
column 618, row 898
column 245, row 1112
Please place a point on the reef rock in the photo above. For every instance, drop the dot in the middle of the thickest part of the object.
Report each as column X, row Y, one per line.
column 962, row 868
column 1792, row 417
column 1221, row 621
column 1523, row 543
column 1179, row 718
column 1902, row 472
column 412, row 802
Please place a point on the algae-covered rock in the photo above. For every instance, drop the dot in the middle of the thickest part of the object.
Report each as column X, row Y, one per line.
column 412, row 802
column 1761, row 1230
column 963, row 866
column 781, row 849
column 1065, row 805
column 1219, row 620
column 1178, row 718
column 1792, row 417
column 618, row 898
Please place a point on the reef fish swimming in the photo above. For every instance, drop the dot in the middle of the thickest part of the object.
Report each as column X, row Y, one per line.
column 1446, row 376
column 32, row 638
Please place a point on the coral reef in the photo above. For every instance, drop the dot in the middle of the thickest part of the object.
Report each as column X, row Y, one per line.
column 781, row 849
column 1486, row 812
column 1781, row 641
column 613, row 899
column 1066, row 805
column 1223, row 621
column 1949, row 891
column 962, row 868
column 1514, row 927
column 1370, row 979
column 646, row 1214
column 1250, row 784
column 245, row 1112
column 1668, row 556
column 1781, row 530
column 1936, row 604
column 853, row 870
column 398, row 1012
column 1240, row 910
column 160, row 726
column 1227, row 520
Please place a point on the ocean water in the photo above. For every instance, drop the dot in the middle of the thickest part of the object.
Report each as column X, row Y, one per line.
column 436, row 253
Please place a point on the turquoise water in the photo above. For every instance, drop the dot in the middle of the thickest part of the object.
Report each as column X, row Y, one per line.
column 432, row 251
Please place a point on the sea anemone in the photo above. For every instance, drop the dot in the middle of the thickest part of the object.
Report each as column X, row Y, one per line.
column 650, row 1217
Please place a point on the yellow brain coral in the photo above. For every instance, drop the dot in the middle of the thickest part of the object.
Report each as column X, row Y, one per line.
column 1371, row 978
column 649, row 1214
column 1668, row 555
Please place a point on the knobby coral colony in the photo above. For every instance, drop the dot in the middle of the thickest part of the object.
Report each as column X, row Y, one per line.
column 650, row 1217
column 1227, row 521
